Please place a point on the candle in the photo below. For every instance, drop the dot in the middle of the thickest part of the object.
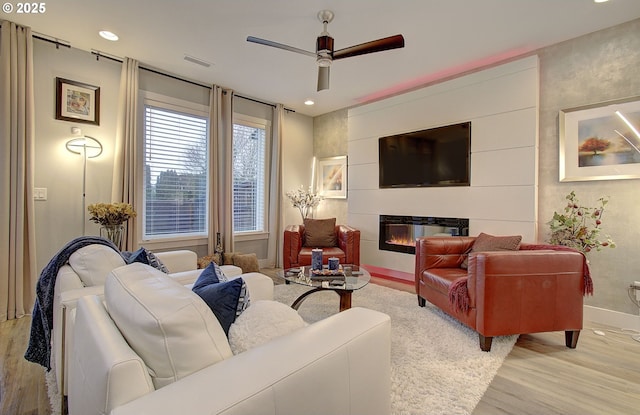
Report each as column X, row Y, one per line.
column 333, row 263
column 316, row 259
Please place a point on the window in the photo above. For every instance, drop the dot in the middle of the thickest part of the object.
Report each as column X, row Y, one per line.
column 250, row 138
column 175, row 171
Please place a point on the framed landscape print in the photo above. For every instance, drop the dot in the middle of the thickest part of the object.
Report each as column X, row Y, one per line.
column 77, row 102
column 332, row 177
column 600, row 141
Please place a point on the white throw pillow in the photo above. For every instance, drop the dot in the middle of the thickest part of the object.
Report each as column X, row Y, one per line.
column 94, row 262
column 166, row 324
column 261, row 322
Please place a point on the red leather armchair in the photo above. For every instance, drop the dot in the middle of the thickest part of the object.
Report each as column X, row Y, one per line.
column 508, row 292
column 295, row 254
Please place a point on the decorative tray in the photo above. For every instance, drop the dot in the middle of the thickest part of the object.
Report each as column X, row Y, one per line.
column 327, row 273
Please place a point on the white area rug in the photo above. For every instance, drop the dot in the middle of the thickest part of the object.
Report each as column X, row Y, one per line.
column 437, row 366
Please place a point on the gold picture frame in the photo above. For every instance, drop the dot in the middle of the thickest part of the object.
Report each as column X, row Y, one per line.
column 332, row 177
column 77, row 102
column 600, row 141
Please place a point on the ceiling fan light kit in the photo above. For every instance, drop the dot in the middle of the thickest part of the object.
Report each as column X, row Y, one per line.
column 325, row 54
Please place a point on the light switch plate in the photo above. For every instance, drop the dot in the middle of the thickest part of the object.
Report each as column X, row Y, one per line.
column 40, row 193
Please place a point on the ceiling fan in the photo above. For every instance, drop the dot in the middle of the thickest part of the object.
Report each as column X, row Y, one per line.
column 325, row 54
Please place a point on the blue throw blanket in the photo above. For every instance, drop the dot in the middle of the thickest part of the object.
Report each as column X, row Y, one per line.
column 39, row 348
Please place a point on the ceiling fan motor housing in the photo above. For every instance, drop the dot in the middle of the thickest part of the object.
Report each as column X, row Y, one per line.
column 324, row 50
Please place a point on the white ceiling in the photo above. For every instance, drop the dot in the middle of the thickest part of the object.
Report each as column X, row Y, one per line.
column 442, row 38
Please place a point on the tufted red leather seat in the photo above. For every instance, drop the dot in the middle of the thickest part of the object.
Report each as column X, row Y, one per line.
column 509, row 292
column 295, row 254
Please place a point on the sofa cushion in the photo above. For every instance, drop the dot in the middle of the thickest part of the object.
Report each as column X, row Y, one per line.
column 166, row 324
column 319, row 233
column 485, row 242
column 247, row 262
column 263, row 321
column 227, row 299
column 94, row 262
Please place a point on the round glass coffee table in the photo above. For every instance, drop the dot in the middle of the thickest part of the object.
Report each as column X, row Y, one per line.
column 344, row 286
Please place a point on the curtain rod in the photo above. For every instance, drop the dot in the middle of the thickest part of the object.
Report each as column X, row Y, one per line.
column 116, row 59
column 99, row 55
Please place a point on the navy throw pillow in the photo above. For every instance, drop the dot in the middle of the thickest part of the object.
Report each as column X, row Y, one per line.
column 145, row 257
column 227, row 299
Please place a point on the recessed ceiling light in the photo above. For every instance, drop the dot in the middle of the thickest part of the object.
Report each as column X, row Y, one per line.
column 600, row 1
column 108, row 35
column 309, row 102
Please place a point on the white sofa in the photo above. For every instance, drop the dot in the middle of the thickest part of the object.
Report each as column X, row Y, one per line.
column 339, row 365
column 84, row 274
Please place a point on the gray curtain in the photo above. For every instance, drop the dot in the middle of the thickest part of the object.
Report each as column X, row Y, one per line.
column 274, row 247
column 221, row 168
column 125, row 169
column 17, row 125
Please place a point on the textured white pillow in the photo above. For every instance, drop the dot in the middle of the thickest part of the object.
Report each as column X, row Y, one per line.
column 94, row 262
column 261, row 322
column 166, row 324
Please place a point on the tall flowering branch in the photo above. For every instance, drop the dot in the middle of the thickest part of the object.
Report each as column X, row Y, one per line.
column 579, row 226
column 304, row 199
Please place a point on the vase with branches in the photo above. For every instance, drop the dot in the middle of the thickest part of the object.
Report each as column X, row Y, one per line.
column 305, row 200
column 579, row 226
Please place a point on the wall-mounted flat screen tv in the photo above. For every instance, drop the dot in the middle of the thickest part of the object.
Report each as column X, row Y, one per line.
column 433, row 157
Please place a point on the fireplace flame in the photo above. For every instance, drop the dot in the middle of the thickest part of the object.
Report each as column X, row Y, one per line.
column 404, row 241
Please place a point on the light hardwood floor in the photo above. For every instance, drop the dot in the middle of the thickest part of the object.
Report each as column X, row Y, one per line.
column 539, row 376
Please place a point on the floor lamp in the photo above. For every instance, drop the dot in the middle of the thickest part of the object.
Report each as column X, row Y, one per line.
column 89, row 148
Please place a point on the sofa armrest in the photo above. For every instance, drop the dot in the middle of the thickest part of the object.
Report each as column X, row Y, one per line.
column 293, row 238
column 519, row 291
column 106, row 372
column 338, row 365
column 62, row 332
column 179, row 260
column 349, row 242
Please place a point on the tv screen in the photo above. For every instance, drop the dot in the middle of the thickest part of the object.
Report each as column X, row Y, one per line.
column 434, row 157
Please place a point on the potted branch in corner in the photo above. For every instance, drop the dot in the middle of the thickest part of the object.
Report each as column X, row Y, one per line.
column 579, row 226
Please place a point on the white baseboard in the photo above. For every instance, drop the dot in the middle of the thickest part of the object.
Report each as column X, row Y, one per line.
column 611, row 318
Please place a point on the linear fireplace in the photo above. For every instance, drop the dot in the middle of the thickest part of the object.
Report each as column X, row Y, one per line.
column 399, row 233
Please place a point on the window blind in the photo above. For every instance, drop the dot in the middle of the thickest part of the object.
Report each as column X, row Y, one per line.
column 249, row 153
column 175, row 176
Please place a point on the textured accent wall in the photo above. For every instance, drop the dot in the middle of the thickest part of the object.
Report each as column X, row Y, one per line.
column 330, row 140
column 598, row 67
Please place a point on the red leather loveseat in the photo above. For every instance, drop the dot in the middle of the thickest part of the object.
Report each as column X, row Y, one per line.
column 503, row 292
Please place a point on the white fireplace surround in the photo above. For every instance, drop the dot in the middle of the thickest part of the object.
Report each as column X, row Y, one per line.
column 502, row 105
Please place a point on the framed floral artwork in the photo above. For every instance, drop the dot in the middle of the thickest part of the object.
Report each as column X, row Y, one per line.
column 332, row 177
column 600, row 141
column 77, row 102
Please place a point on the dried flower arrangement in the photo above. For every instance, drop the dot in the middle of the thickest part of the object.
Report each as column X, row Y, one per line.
column 111, row 214
column 579, row 226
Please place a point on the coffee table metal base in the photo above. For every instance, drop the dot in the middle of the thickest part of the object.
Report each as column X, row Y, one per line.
column 345, row 297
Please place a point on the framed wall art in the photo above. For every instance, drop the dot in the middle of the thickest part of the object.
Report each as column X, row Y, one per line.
column 600, row 141
column 77, row 102
column 332, row 177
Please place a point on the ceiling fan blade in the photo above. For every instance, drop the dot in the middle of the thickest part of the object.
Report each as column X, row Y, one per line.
column 323, row 77
column 387, row 43
column 279, row 46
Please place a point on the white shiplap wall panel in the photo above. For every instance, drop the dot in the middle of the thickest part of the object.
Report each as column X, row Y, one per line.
column 515, row 166
column 508, row 130
column 502, row 105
